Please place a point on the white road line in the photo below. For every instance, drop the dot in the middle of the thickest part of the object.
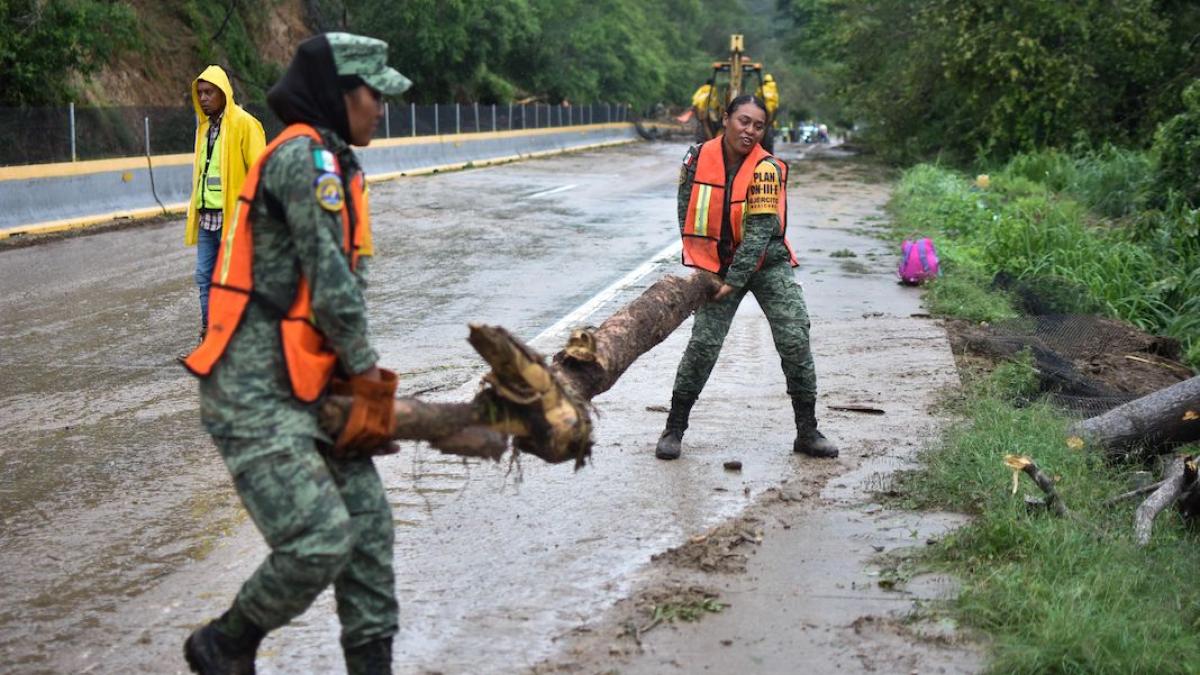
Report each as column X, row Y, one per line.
column 543, row 193
column 605, row 295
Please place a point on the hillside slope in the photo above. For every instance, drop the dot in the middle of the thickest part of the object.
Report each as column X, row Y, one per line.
column 254, row 46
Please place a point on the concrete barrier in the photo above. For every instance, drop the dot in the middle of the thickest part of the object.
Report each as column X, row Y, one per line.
column 45, row 198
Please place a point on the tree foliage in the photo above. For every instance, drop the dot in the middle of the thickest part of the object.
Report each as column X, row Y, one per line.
column 974, row 78
column 1177, row 150
column 44, row 42
column 551, row 50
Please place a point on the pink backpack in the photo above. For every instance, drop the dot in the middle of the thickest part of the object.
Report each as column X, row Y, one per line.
column 918, row 261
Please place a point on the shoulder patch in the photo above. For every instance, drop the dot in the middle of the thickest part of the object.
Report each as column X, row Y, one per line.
column 330, row 195
column 689, row 157
column 689, row 163
column 763, row 193
column 324, row 161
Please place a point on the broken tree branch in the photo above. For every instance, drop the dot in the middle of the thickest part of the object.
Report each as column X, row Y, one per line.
column 543, row 409
column 1164, row 496
column 1133, row 493
column 1045, row 483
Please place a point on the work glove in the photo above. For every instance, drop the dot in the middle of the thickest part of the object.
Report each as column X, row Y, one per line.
column 368, row 429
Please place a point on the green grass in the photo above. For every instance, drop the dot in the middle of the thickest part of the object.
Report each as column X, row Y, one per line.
column 1050, row 216
column 1055, row 595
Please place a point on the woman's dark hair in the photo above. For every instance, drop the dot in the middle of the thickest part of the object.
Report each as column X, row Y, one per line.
column 349, row 82
column 742, row 100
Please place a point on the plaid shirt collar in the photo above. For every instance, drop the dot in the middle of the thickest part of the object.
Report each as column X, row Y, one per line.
column 214, row 127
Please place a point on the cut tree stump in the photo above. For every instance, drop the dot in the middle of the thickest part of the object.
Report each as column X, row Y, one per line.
column 541, row 409
column 1159, row 421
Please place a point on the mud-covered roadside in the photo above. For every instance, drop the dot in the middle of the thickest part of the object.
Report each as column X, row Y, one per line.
column 814, row 575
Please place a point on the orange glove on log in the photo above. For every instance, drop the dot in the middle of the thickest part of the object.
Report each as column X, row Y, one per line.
column 368, row 429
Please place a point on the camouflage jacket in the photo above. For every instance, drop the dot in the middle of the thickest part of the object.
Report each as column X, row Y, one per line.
column 248, row 394
column 759, row 232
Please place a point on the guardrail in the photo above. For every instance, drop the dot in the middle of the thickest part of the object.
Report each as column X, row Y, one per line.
column 70, row 133
column 46, row 198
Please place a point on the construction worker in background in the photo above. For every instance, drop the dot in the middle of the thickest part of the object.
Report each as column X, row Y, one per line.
column 733, row 218
column 228, row 140
column 706, row 102
column 287, row 316
column 768, row 93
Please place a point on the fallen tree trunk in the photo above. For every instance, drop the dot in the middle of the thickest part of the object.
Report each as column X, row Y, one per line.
column 542, row 409
column 1158, row 421
column 1172, row 486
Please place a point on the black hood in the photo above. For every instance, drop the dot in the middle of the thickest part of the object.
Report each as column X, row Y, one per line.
column 309, row 91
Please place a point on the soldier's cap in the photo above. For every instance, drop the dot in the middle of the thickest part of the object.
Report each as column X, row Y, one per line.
column 366, row 57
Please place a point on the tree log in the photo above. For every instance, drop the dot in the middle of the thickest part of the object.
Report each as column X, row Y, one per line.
column 542, row 410
column 1158, row 421
column 1172, row 485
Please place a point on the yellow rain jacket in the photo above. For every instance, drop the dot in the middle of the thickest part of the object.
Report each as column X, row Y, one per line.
column 242, row 141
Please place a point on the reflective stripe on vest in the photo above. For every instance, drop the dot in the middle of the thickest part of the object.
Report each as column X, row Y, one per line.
column 705, row 214
column 211, row 196
column 309, row 363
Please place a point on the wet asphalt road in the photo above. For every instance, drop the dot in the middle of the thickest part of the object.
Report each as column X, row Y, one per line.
column 108, row 486
column 119, row 531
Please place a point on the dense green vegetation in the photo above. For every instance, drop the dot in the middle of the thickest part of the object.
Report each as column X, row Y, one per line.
column 579, row 50
column 969, row 80
column 1056, row 595
column 1049, row 215
column 44, row 42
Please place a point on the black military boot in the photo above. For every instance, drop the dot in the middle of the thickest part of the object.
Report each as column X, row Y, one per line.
column 373, row 658
column 224, row 647
column 677, row 423
column 809, row 441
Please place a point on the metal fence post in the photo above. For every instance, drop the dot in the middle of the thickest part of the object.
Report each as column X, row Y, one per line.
column 387, row 120
column 493, row 117
column 510, row 116
column 146, row 122
column 477, row 129
column 72, row 115
column 535, row 116
column 457, row 119
column 523, row 116
column 412, row 117
column 437, row 122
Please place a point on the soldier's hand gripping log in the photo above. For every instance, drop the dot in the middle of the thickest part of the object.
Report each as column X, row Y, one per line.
column 539, row 408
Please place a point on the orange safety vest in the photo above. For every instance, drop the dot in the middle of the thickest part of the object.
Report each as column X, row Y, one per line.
column 706, row 208
column 309, row 362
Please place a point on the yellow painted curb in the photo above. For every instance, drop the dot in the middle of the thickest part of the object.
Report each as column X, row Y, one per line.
column 84, row 222
column 63, row 169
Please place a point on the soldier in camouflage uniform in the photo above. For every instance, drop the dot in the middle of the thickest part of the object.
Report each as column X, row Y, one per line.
column 327, row 519
column 761, row 263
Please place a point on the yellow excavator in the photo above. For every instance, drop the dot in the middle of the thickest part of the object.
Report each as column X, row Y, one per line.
column 730, row 79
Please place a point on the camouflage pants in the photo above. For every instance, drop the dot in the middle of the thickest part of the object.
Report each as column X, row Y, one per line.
column 326, row 521
column 774, row 286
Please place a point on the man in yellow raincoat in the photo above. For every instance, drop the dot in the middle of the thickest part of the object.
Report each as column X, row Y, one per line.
column 228, row 140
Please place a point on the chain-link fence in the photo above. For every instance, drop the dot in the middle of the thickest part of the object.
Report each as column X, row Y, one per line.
column 71, row 133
